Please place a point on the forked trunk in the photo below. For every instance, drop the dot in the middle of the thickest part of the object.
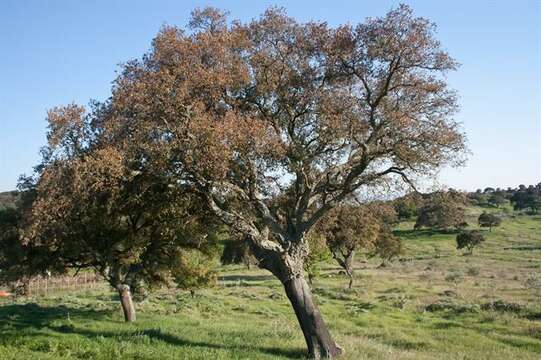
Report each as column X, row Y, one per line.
column 126, row 302
column 318, row 339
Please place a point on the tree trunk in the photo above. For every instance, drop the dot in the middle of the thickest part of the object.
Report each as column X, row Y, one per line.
column 288, row 268
column 126, row 302
column 318, row 339
column 349, row 268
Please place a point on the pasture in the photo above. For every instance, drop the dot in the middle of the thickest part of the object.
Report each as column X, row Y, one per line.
column 432, row 303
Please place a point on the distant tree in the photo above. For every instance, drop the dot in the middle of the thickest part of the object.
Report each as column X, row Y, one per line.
column 479, row 199
column 469, row 239
column 497, row 199
column 489, row 190
column 489, row 220
column 442, row 210
column 526, row 199
column 8, row 199
column 406, row 207
column 192, row 270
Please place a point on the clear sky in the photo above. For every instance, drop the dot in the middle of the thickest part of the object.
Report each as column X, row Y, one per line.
column 56, row 52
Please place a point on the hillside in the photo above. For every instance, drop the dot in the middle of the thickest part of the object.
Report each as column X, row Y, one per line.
column 433, row 304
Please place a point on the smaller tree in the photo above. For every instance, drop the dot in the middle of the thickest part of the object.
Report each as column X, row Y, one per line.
column 469, row 239
column 352, row 228
column 489, row 220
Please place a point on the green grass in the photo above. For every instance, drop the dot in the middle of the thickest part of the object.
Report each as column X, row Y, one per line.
column 481, row 307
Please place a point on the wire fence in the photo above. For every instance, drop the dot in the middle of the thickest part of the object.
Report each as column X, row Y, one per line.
column 44, row 285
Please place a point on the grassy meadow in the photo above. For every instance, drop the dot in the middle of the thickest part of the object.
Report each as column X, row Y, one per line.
column 434, row 303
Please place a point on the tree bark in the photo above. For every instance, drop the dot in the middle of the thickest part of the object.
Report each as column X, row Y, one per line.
column 349, row 268
column 287, row 266
column 318, row 339
column 126, row 302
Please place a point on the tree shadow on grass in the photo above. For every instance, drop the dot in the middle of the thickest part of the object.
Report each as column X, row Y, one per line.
column 414, row 234
column 245, row 277
column 33, row 317
column 160, row 335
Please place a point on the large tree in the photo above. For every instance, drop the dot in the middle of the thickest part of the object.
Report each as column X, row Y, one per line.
column 275, row 122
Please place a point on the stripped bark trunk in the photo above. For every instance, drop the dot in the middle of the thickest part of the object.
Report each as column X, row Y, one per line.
column 288, row 268
column 349, row 268
column 318, row 339
column 126, row 302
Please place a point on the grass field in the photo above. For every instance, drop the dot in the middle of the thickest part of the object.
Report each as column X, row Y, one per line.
column 433, row 304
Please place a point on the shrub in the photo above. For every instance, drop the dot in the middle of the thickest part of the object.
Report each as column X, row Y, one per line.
column 469, row 239
column 473, row 271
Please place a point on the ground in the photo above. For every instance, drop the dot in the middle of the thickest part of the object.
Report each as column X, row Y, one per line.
column 433, row 304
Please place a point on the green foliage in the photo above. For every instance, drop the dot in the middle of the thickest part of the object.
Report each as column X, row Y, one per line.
column 319, row 253
column 489, row 220
column 387, row 246
column 406, row 207
column 442, row 210
column 469, row 239
column 193, row 270
column 527, row 199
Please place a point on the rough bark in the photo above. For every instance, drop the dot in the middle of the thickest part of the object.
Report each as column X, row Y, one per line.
column 318, row 339
column 349, row 268
column 288, row 268
column 126, row 302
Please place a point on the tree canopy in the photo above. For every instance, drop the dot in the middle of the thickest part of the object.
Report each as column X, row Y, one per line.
column 469, row 239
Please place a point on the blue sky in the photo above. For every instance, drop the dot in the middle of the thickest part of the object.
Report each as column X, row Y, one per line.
column 57, row 52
